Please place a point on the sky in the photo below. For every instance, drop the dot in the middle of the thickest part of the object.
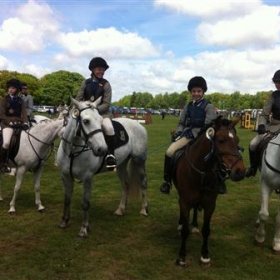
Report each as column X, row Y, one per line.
column 153, row 46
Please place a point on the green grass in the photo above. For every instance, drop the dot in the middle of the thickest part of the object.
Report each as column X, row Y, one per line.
column 132, row 247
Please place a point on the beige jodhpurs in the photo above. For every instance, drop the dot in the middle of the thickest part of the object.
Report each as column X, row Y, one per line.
column 177, row 145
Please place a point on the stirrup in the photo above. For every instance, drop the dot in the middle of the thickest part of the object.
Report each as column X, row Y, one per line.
column 5, row 169
column 110, row 162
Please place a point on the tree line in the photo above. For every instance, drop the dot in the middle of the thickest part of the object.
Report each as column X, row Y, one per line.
column 57, row 87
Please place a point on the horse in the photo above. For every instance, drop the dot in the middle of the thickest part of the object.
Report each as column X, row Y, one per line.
column 81, row 155
column 215, row 152
column 35, row 147
column 269, row 181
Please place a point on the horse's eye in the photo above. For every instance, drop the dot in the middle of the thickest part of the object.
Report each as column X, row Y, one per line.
column 75, row 113
column 86, row 121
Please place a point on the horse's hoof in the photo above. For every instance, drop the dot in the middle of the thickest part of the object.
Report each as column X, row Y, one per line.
column 144, row 212
column 119, row 212
column 205, row 262
column 83, row 232
column 276, row 248
column 62, row 224
column 259, row 242
column 180, row 262
column 42, row 210
column 195, row 230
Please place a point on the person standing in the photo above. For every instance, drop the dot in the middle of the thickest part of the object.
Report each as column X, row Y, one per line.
column 12, row 115
column 93, row 88
column 28, row 100
column 195, row 116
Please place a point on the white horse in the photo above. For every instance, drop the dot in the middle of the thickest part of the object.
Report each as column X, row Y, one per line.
column 269, row 181
column 35, row 147
column 81, row 155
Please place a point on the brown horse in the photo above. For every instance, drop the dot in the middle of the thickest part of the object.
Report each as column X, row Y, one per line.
column 214, row 153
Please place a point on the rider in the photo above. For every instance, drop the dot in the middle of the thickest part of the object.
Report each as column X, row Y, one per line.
column 12, row 115
column 91, row 89
column 269, row 121
column 195, row 116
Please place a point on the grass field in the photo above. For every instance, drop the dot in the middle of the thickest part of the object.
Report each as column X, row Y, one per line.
column 132, row 247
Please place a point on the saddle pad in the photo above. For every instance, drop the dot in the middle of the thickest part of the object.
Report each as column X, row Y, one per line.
column 121, row 136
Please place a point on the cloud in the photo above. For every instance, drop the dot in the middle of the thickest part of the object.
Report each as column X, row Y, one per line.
column 259, row 28
column 109, row 42
column 211, row 9
column 33, row 25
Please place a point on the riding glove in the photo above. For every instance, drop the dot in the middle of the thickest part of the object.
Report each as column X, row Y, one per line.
column 175, row 136
column 261, row 129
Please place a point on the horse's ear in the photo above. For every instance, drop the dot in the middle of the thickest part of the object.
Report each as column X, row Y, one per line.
column 75, row 101
column 235, row 121
column 97, row 101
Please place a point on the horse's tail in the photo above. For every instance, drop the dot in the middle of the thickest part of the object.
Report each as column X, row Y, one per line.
column 137, row 175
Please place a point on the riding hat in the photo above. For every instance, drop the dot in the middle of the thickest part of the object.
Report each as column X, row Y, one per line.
column 14, row 83
column 276, row 76
column 197, row 81
column 98, row 62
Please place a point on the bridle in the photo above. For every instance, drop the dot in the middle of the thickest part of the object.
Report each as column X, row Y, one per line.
column 76, row 114
column 221, row 167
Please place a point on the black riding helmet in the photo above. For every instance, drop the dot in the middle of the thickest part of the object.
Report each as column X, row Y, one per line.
column 98, row 62
column 14, row 83
column 197, row 81
column 276, row 76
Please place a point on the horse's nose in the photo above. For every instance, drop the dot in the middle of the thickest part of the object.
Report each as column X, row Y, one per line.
column 237, row 175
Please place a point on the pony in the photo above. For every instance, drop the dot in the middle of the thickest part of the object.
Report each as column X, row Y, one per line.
column 215, row 152
column 269, row 181
column 35, row 147
column 81, row 155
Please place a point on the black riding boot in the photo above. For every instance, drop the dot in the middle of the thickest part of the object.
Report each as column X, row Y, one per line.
column 252, row 170
column 166, row 185
column 110, row 158
column 3, row 160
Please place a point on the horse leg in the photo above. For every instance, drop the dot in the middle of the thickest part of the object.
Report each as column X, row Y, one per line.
column 208, row 212
column 123, row 176
column 276, row 239
column 263, row 215
column 143, row 186
column 184, row 218
column 1, row 197
column 19, row 178
column 37, row 185
column 68, row 184
column 86, row 206
column 194, row 223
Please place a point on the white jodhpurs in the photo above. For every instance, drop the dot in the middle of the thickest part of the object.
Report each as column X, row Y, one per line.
column 7, row 135
column 107, row 127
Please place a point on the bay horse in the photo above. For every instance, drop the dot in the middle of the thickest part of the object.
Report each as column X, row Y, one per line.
column 269, row 182
column 35, row 147
column 215, row 152
column 81, row 155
